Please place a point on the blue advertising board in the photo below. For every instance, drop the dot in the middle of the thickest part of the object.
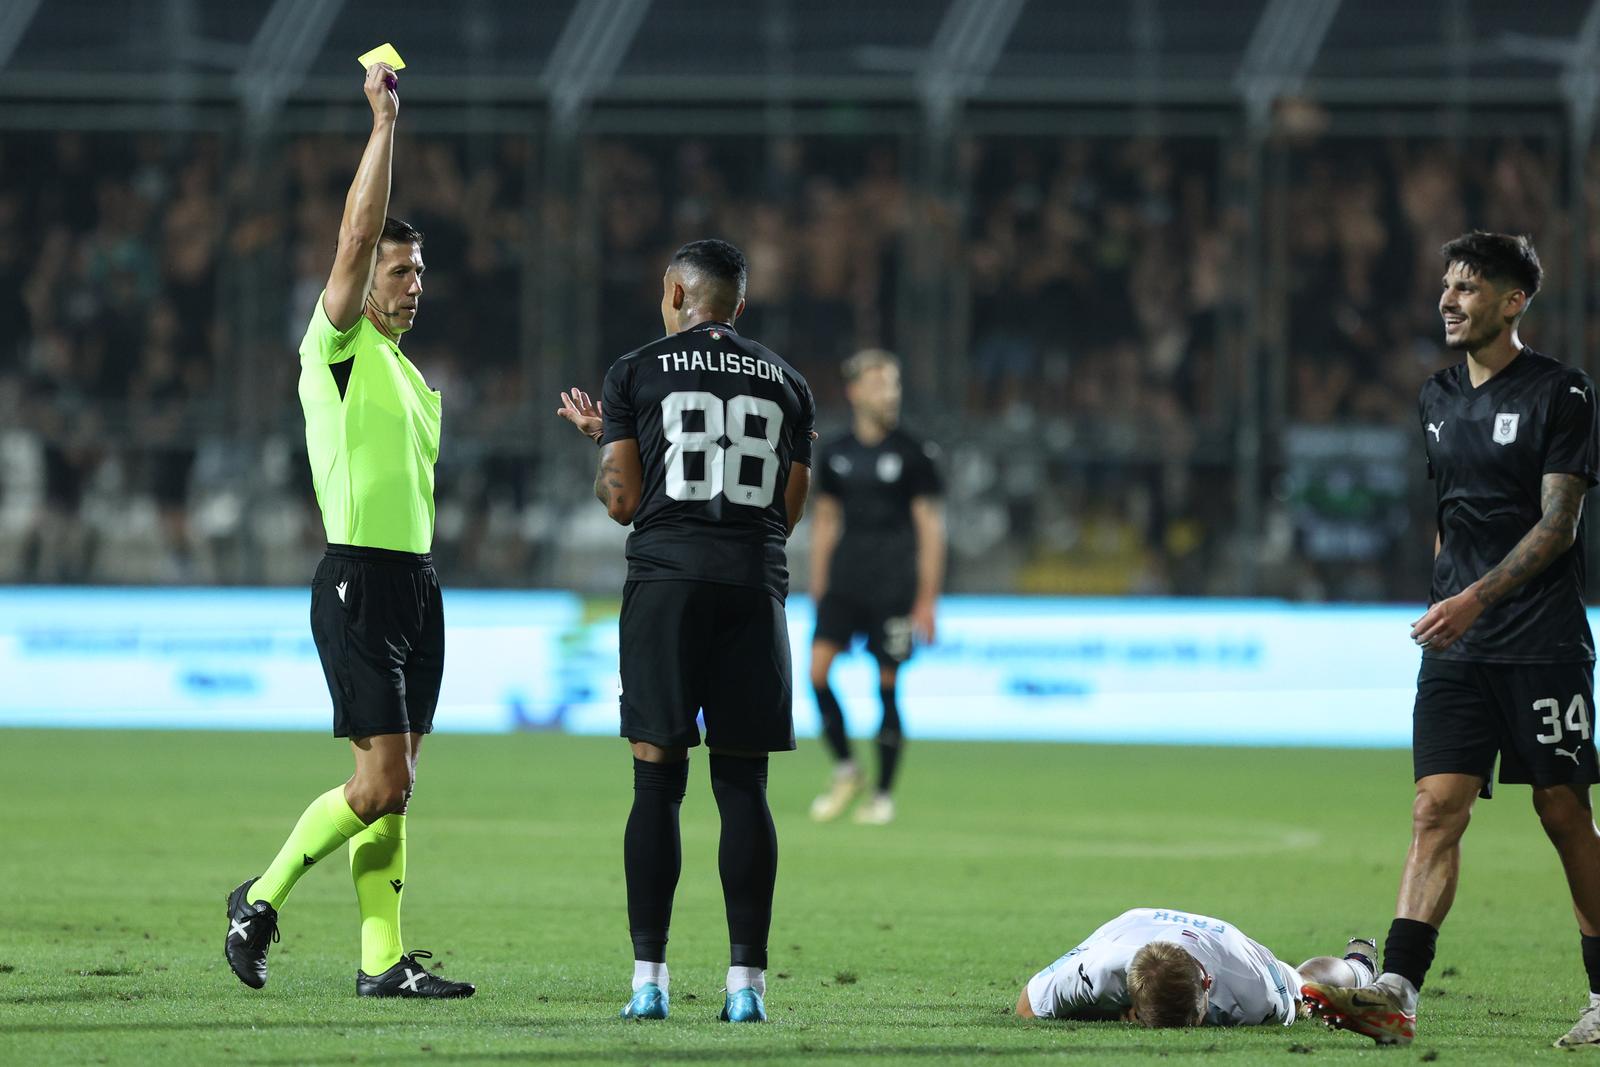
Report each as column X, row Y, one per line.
column 1131, row 670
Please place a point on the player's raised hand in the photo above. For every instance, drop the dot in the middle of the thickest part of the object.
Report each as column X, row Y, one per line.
column 1444, row 623
column 382, row 87
column 584, row 413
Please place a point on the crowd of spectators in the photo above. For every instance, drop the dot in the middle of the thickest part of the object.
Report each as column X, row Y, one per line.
column 824, row 224
column 1094, row 339
column 1358, row 323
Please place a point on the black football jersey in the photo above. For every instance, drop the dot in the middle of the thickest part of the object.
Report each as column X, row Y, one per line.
column 1488, row 450
column 719, row 420
column 876, row 556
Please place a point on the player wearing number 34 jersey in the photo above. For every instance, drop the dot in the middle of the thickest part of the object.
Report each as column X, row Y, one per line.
column 705, row 442
column 1513, row 445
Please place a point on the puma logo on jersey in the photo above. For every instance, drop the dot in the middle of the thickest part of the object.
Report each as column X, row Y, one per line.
column 1571, row 755
column 1581, row 392
column 1435, row 429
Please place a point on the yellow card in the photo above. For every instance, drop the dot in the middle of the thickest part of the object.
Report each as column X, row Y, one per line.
column 384, row 53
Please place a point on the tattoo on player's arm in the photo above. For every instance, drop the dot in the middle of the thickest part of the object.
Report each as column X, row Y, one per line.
column 1561, row 499
column 607, row 480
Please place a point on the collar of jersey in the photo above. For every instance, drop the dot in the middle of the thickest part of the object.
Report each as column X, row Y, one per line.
column 1506, row 372
column 716, row 325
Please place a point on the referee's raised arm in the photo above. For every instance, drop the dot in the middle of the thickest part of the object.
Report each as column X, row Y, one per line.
column 365, row 205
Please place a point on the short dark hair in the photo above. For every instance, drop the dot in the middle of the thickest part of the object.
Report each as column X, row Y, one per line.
column 717, row 260
column 1507, row 260
column 399, row 230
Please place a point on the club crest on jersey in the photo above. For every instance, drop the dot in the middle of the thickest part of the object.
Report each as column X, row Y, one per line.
column 1505, row 427
column 889, row 467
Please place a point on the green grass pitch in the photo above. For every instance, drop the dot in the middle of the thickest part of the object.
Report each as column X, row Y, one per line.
column 904, row 944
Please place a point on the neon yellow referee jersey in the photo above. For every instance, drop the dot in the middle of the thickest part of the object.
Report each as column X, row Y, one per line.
column 372, row 432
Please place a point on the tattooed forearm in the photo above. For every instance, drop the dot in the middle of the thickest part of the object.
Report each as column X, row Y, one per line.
column 607, row 480
column 616, row 482
column 1561, row 498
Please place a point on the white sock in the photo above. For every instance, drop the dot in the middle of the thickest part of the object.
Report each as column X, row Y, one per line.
column 847, row 769
column 645, row 972
column 1364, row 971
column 1594, row 999
column 747, row 978
column 1401, row 987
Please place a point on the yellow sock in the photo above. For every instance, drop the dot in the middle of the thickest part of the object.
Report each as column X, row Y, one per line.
column 378, row 868
column 323, row 827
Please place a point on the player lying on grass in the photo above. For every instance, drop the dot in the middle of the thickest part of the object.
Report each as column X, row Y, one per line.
column 1167, row 968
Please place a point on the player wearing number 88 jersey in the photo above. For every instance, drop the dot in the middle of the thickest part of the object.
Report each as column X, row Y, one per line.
column 720, row 420
column 706, row 450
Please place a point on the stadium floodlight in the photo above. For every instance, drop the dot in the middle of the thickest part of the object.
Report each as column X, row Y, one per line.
column 1282, row 49
column 965, row 48
column 593, row 42
column 288, row 41
column 1580, row 81
column 15, row 17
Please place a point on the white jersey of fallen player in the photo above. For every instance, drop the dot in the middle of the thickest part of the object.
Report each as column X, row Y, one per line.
column 1251, row 986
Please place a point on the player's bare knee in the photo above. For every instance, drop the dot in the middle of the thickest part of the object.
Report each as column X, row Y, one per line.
column 1565, row 814
column 392, row 798
column 381, row 791
column 822, row 656
column 366, row 803
column 378, row 799
column 653, row 753
column 1440, row 816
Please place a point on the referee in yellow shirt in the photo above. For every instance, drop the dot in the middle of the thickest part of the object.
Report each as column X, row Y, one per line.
column 372, row 433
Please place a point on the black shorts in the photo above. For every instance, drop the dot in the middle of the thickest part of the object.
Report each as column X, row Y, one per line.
column 1538, row 717
column 689, row 646
column 886, row 622
column 378, row 620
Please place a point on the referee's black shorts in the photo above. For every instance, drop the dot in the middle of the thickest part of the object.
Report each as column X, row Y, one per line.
column 378, row 620
column 687, row 647
column 1537, row 717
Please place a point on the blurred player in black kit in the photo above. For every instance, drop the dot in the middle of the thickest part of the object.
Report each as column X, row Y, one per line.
column 1507, row 657
column 877, row 564
column 705, row 441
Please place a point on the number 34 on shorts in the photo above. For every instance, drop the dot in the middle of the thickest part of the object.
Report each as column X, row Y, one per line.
column 1572, row 726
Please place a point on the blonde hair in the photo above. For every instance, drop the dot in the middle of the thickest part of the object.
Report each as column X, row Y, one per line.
column 865, row 360
column 1166, row 986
